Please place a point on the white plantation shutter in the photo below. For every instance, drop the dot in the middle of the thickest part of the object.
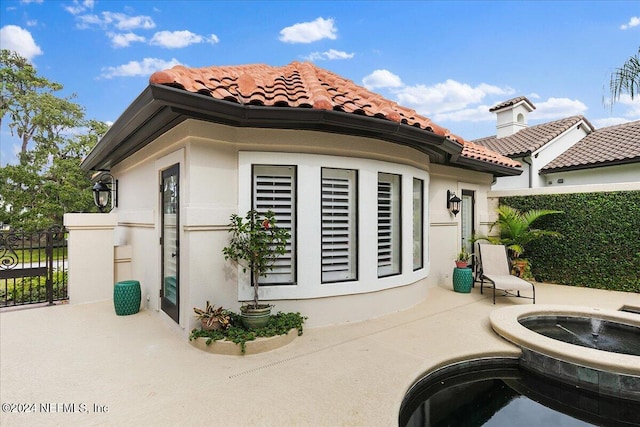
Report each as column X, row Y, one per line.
column 274, row 189
column 388, row 224
column 339, row 249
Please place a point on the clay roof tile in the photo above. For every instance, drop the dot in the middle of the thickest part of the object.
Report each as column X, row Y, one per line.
column 302, row 84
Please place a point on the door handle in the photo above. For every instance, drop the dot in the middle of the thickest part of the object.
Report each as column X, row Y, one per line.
column 173, row 255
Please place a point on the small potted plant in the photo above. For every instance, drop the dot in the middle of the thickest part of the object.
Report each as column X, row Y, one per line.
column 213, row 318
column 462, row 260
column 255, row 245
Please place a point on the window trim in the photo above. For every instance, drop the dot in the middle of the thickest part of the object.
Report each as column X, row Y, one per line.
column 398, row 249
column 421, row 222
column 294, row 218
column 355, row 237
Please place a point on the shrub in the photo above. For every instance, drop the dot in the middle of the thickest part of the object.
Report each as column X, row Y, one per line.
column 600, row 247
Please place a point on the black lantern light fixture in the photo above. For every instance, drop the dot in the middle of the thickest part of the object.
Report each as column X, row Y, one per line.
column 105, row 191
column 453, row 202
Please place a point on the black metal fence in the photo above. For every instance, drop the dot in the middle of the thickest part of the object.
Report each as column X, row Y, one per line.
column 33, row 267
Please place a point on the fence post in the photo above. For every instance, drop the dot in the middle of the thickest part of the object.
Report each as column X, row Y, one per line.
column 90, row 256
column 49, row 259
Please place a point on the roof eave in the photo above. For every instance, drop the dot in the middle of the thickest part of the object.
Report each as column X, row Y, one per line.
column 159, row 108
column 497, row 170
column 590, row 166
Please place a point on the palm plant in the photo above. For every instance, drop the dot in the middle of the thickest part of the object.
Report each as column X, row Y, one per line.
column 626, row 79
column 515, row 229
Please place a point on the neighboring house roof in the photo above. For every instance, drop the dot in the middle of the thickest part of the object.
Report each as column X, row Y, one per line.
column 511, row 102
column 532, row 138
column 295, row 96
column 608, row 146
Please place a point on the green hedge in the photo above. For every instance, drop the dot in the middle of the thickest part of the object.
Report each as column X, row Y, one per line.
column 600, row 247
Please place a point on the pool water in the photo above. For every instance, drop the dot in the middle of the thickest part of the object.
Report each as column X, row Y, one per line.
column 503, row 394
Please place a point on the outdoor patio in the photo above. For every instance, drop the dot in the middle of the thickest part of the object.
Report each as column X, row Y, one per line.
column 87, row 366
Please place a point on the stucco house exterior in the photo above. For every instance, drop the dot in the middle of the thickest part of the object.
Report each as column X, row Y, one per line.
column 565, row 152
column 360, row 181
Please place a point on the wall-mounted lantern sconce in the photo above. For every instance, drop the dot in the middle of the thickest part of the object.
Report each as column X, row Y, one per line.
column 105, row 191
column 453, row 202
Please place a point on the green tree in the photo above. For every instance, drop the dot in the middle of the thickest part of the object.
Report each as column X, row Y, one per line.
column 515, row 229
column 256, row 243
column 626, row 79
column 47, row 181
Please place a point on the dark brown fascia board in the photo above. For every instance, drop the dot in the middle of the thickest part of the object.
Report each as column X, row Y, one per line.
column 483, row 166
column 590, row 166
column 159, row 108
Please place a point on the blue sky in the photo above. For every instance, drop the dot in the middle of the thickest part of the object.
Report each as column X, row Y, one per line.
column 450, row 61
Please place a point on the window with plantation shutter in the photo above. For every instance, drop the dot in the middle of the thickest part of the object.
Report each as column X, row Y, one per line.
column 274, row 189
column 339, row 213
column 418, row 221
column 389, row 243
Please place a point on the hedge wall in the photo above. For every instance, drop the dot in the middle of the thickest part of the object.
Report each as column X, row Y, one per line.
column 600, row 247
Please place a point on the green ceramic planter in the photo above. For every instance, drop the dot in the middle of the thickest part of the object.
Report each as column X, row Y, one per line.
column 254, row 318
column 462, row 280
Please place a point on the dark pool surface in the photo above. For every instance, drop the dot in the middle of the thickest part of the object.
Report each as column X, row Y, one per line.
column 502, row 394
column 587, row 332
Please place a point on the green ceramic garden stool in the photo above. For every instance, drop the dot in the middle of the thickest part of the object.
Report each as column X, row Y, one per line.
column 462, row 280
column 126, row 297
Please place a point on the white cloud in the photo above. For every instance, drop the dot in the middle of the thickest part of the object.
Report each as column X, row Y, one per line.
column 178, row 39
column 557, row 108
column 120, row 21
column 127, row 22
column 85, row 21
column 330, row 55
column 633, row 22
column 19, row 40
column 476, row 114
column 78, row 7
column 632, row 106
column 32, row 23
column 381, row 79
column 124, row 39
column 608, row 121
column 146, row 67
column 307, row 32
column 447, row 97
column 31, row 1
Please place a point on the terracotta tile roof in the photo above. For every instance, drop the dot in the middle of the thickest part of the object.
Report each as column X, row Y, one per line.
column 610, row 145
column 530, row 139
column 511, row 102
column 304, row 85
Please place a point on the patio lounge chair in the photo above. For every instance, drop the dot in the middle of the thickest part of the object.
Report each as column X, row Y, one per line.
column 494, row 266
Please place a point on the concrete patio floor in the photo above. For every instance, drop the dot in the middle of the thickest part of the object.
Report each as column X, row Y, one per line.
column 87, row 366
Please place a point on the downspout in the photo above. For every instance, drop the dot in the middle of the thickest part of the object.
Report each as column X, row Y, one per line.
column 524, row 159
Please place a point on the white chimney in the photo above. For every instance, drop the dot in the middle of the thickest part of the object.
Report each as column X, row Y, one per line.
column 512, row 115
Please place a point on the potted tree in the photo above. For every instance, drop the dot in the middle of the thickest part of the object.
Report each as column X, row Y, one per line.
column 255, row 245
column 516, row 232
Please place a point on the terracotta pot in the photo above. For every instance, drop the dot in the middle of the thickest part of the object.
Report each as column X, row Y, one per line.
column 520, row 266
column 462, row 264
column 215, row 326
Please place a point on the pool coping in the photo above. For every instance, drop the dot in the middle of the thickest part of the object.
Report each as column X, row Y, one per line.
column 604, row 372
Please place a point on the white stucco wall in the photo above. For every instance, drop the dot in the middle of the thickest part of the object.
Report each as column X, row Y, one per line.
column 600, row 175
column 215, row 174
column 513, row 182
column 549, row 152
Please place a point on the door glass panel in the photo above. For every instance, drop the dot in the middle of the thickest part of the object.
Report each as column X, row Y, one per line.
column 467, row 220
column 170, row 242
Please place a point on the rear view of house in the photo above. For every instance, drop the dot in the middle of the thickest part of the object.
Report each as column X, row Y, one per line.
column 360, row 182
